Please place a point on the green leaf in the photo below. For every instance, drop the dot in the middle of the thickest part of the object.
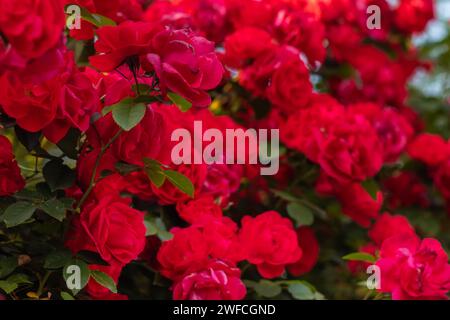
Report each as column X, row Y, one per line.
column 104, row 280
column 150, row 225
column 156, row 226
column 164, row 235
column 107, row 109
column 128, row 116
column 58, row 175
column 285, row 196
column 360, row 256
column 69, row 143
column 18, row 213
column 19, row 278
column 7, row 266
column 96, row 19
column 57, row 259
column 154, row 172
column 301, row 214
column 181, row 102
column 66, row 296
column 54, row 208
column 301, row 291
column 7, row 286
column 181, row 182
column 371, row 187
column 84, row 273
column 29, row 140
column 67, row 202
column 267, row 289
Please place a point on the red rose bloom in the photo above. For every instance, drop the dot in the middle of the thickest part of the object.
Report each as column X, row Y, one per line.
column 245, row 45
column 412, row 269
column 304, row 31
column 34, row 106
column 186, row 64
column 351, row 151
column 429, row 148
column 392, row 128
column 271, row 243
column 32, row 26
column 413, row 16
column 10, row 179
column 310, row 248
column 186, row 250
column 78, row 102
column 290, row 88
column 117, row 10
column 197, row 209
column 358, row 204
column 191, row 247
column 111, row 228
column 388, row 226
column 303, row 129
column 216, row 281
column 170, row 194
column 116, row 44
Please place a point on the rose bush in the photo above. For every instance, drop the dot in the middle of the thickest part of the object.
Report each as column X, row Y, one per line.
column 89, row 121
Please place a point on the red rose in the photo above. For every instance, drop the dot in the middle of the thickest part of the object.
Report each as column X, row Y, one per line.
column 185, row 64
column 110, row 227
column 78, row 102
column 170, row 194
column 388, row 226
column 197, row 209
column 138, row 184
column 271, row 243
column 304, row 31
column 351, row 152
column 310, row 248
column 221, row 234
column 191, row 247
column 216, row 281
column 32, row 26
column 303, row 129
column 413, row 16
column 290, row 88
column 209, row 17
column 245, row 45
column 257, row 78
column 116, row 44
column 358, row 204
column 143, row 141
column 187, row 249
column 10, row 179
column 34, row 106
column 392, row 128
column 429, row 148
column 412, row 269
column 252, row 13
column 117, row 10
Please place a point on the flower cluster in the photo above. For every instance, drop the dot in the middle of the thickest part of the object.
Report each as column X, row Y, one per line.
column 88, row 114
